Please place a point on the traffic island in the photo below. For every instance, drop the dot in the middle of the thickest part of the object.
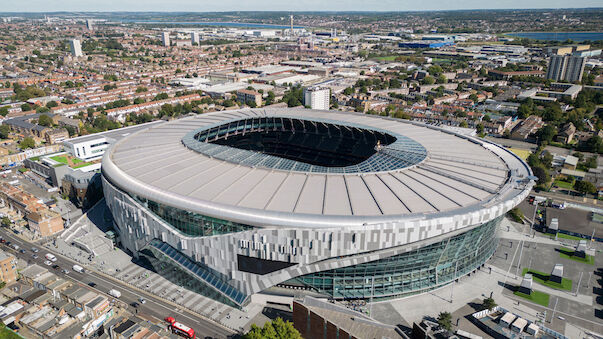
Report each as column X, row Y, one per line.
column 568, row 253
column 545, row 279
column 536, row 297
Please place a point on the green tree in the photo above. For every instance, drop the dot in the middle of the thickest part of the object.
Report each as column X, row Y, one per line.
column 4, row 131
column 6, row 221
column 594, row 144
column 516, row 215
column 428, row 80
column 26, row 107
column 276, row 329
column 545, row 134
column 45, row 120
column 592, row 162
column 270, row 98
column 585, row 187
column 489, row 303
column 445, row 320
column 52, row 104
column 480, row 129
column 27, row 143
column 542, row 173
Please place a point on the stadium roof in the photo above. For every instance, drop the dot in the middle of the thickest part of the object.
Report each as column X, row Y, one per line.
column 459, row 174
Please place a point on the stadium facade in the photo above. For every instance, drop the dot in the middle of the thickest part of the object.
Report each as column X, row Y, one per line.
column 347, row 205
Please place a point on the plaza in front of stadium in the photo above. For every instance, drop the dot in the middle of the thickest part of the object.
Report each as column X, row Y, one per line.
column 338, row 205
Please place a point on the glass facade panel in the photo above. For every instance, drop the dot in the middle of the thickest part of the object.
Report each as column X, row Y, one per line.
column 408, row 273
column 190, row 223
column 181, row 270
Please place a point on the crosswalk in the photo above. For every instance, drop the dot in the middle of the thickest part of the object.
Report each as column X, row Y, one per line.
column 156, row 284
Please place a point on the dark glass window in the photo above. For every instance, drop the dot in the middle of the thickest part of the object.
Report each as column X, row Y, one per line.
column 190, row 223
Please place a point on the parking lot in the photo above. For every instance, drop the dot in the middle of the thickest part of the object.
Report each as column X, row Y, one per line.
column 570, row 219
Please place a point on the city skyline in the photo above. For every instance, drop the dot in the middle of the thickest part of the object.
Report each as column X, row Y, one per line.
column 299, row 6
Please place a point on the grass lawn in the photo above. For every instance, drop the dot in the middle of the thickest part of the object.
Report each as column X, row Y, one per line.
column 537, row 297
column 76, row 160
column 563, row 184
column 567, row 253
column 387, row 58
column 60, row 158
column 7, row 333
column 522, row 153
column 563, row 236
column 543, row 279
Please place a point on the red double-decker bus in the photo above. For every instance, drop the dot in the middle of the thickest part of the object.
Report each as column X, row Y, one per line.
column 180, row 329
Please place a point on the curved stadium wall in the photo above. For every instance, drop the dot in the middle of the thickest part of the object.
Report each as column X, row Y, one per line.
column 346, row 205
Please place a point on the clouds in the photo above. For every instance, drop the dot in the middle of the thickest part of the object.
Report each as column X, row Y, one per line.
column 279, row 5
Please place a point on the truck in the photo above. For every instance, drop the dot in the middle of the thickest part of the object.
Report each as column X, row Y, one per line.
column 78, row 268
column 50, row 257
column 115, row 293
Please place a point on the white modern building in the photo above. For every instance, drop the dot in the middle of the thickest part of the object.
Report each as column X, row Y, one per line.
column 89, row 24
column 317, row 97
column 76, row 48
column 165, row 39
column 195, row 38
column 346, row 205
column 88, row 147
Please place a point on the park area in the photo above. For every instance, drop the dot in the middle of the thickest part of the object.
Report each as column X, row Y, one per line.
column 70, row 161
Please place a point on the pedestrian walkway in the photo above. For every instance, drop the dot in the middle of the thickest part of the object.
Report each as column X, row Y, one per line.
column 156, row 284
column 516, row 280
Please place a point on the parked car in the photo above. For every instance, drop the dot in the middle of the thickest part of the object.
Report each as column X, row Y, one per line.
column 47, row 262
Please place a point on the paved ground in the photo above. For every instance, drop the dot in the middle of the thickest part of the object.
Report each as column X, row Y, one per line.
column 570, row 219
column 155, row 308
column 118, row 264
column 464, row 297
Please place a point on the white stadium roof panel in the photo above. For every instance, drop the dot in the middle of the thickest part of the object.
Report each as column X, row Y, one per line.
column 423, row 170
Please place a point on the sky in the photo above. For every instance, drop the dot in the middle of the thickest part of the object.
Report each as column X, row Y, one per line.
column 281, row 5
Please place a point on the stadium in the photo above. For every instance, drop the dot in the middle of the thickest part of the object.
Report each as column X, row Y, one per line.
column 344, row 205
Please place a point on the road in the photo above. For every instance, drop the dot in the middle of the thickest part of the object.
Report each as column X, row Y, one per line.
column 154, row 308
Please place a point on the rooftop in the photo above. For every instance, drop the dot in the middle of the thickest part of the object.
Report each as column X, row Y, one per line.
column 452, row 173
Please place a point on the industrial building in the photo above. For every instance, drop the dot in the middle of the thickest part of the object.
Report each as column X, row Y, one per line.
column 346, row 205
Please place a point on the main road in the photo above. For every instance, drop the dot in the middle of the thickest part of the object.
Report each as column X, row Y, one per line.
column 154, row 307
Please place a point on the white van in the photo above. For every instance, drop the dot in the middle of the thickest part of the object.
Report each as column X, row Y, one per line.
column 78, row 268
column 50, row 257
column 115, row 293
